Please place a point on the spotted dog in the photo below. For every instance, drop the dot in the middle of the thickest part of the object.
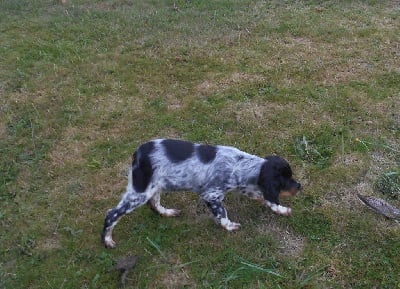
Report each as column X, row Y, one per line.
column 167, row 165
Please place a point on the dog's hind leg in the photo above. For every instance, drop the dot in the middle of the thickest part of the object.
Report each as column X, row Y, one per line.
column 154, row 203
column 129, row 202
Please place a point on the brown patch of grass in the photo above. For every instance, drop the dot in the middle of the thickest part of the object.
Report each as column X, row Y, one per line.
column 380, row 163
column 3, row 129
column 266, row 115
column 75, row 141
column 347, row 160
column 113, row 187
column 176, row 276
column 110, row 104
column 289, row 243
column 70, row 149
column 51, row 243
column 326, row 63
column 31, row 97
column 345, row 197
column 174, row 103
column 348, row 196
column 213, row 85
column 23, row 180
column 252, row 111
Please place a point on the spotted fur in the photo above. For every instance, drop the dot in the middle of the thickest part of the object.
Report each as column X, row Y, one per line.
column 167, row 165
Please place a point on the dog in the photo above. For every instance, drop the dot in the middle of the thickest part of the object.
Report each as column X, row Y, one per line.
column 166, row 165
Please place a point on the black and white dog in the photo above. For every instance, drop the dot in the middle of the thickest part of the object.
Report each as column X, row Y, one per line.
column 167, row 165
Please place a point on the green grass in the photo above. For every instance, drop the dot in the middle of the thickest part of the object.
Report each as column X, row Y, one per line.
column 83, row 84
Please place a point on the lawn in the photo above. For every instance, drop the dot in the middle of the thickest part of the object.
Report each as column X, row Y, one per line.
column 82, row 84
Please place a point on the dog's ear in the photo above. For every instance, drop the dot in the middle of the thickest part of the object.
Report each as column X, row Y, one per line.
column 281, row 166
column 269, row 182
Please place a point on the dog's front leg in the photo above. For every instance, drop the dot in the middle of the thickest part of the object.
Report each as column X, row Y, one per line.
column 214, row 202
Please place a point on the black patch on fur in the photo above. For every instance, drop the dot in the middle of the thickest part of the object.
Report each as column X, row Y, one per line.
column 142, row 170
column 239, row 158
column 206, row 153
column 274, row 175
column 217, row 209
column 178, row 150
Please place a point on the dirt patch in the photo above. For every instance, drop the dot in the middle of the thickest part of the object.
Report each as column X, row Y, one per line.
column 176, row 276
column 174, row 103
column 289, row 243
column 346, row 197
column 206, row 87
column 347, row 160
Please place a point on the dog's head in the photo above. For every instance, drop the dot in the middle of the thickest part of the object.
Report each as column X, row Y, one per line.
column 276, row 179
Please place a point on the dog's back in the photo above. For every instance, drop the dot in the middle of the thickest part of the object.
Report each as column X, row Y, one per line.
column 176, row 165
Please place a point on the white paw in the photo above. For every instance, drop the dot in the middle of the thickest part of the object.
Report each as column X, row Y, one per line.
column 228, row 225
column 284, row 211
column 170, row 212
column 280, row 210
column 109, row 242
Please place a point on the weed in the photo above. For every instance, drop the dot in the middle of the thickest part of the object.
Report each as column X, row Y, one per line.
column 318, row 147
column 389, row 183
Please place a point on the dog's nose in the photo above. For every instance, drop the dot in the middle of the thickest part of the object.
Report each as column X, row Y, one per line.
column 298, row 186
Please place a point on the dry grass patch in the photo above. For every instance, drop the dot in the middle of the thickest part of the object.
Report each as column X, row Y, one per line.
column 105, row 185
column 3, row 129
column 49, row 244
column 75, row 142
column 33, row 98
column 326, row 63
column 114, row 103
column 253, row 112
column 214, row 85
column 177, row 276
column 70, row 148
column 289, row 243
column 345, row 197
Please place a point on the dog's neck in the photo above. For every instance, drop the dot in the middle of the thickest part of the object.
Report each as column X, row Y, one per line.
column 247, row 170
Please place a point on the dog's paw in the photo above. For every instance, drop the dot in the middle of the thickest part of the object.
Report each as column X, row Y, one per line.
column 284, row 211
column 109, row 243
column 228, row 225
column 280, row 210
column 170, row 212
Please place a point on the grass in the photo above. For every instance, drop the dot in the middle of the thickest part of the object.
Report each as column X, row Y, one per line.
column 84, row 83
